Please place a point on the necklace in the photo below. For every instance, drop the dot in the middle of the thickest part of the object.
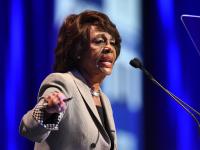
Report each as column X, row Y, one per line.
column 95, row 93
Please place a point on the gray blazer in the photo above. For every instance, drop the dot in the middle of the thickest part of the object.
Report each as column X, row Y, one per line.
column 81, row 127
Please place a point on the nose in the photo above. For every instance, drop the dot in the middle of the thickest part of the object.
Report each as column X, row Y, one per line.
column 107, row 50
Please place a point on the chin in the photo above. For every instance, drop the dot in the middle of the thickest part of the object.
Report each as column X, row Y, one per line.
column 106, row 71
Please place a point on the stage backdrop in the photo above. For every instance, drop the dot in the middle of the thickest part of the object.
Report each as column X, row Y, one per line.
column 27, row 38
column 124, row 86
column 172, row 58
column 28, row 32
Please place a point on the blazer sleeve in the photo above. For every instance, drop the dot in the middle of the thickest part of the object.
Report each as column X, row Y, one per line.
column 31, row 128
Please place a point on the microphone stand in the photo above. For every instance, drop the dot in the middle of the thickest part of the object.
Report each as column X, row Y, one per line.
column 137, row 64
column 184, row 105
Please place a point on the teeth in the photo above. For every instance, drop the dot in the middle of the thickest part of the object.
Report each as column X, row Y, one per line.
column 106, row 61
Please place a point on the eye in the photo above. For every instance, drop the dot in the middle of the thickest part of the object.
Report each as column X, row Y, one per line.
column 99, row 41
column 112, row 42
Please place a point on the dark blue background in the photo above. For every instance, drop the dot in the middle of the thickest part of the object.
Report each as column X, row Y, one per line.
column 27, row 41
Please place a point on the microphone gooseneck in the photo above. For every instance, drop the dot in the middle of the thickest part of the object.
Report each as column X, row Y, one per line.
column 136, row 63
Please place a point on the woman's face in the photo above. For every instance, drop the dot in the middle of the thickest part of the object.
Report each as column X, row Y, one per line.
column 100, row 57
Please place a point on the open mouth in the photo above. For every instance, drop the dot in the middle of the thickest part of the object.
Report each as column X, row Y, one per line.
column 106, row 61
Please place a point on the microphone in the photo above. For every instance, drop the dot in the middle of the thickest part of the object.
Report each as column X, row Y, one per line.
column 136, row 63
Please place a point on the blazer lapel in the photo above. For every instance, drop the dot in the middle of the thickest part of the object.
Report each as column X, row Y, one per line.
column 109, row 116
column 85, row 92
column 87, row 97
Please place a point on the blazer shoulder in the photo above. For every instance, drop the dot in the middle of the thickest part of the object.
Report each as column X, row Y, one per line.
column 57, row 81
column 57, row 76
column 63, row 79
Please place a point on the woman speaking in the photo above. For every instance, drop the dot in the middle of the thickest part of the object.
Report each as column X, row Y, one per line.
column 72, row 112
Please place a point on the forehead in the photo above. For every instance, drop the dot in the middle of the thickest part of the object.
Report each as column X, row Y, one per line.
column 94, row 31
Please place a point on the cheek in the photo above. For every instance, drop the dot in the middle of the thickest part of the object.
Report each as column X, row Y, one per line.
column 95, row 52
column 91, row 57
column 95, row 47
column 115, row 55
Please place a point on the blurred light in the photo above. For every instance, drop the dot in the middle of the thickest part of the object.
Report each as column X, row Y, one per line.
column 14, row 71
column 124, row 86
column 166, row 11
column 127, row 141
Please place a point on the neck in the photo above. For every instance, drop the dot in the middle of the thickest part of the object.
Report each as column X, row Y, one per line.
column 93, row 80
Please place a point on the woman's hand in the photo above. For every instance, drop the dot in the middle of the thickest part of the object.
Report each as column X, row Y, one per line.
column 56, row 102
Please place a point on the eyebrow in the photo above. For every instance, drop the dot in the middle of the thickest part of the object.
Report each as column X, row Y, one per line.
column 103, row 35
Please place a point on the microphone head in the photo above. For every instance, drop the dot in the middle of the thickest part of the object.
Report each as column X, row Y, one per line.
column 136, row 63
